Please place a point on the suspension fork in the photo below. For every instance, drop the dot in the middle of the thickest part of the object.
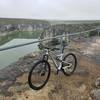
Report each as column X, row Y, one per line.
column 45, row 58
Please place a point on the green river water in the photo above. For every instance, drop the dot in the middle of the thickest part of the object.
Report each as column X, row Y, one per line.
column 12, row 55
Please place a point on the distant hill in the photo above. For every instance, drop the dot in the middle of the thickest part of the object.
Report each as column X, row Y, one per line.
column 21, row 21
column 37, row 21
column 53, row 22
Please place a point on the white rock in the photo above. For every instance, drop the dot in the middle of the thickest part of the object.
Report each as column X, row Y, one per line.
column 95, row 94
column 82, row 88
column 97, row 83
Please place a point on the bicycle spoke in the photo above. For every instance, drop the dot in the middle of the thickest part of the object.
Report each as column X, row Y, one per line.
column 39, row 75
column 69, row 64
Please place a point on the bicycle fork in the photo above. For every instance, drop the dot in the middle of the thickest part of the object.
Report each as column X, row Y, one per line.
column 61, row 56
column 60, row 63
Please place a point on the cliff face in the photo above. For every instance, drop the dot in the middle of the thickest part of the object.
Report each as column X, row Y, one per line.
column 70, row 28
column 48, row 30
column 23, row 27
column 60, row 29
column 7, row 25
column 76, row 27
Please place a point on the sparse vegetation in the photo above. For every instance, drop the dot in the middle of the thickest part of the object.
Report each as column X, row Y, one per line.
column 5, row 21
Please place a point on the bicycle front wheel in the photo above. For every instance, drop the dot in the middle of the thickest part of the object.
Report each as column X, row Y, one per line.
column 39, row 75
column 69, row 65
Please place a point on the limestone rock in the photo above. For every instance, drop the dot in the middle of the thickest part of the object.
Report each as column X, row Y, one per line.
column 95, row 94
column 82, row 88
column 97, row 83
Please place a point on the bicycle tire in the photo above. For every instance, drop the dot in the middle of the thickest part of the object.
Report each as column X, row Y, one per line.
column 75, row 65
column 30, row 75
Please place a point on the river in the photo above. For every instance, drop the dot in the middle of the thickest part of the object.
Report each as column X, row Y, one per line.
column 12, row 55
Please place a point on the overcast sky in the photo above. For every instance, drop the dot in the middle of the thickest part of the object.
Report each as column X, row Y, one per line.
column 51, row 9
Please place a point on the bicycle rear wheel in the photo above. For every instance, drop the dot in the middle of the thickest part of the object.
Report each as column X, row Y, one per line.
column 69, row 65
column 39, row 75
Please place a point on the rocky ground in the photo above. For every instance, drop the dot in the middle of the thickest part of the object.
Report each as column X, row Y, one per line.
column 84, row 84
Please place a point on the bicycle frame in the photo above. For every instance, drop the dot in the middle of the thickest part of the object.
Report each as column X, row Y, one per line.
column 40, row 72
column 58, row 58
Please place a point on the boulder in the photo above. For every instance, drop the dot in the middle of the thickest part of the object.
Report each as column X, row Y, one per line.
column 97, row 83
column 95, row 94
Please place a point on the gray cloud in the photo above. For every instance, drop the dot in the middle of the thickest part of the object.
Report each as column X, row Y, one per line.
column 51, row 9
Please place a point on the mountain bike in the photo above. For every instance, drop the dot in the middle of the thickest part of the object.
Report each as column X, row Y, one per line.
column 40, row 72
